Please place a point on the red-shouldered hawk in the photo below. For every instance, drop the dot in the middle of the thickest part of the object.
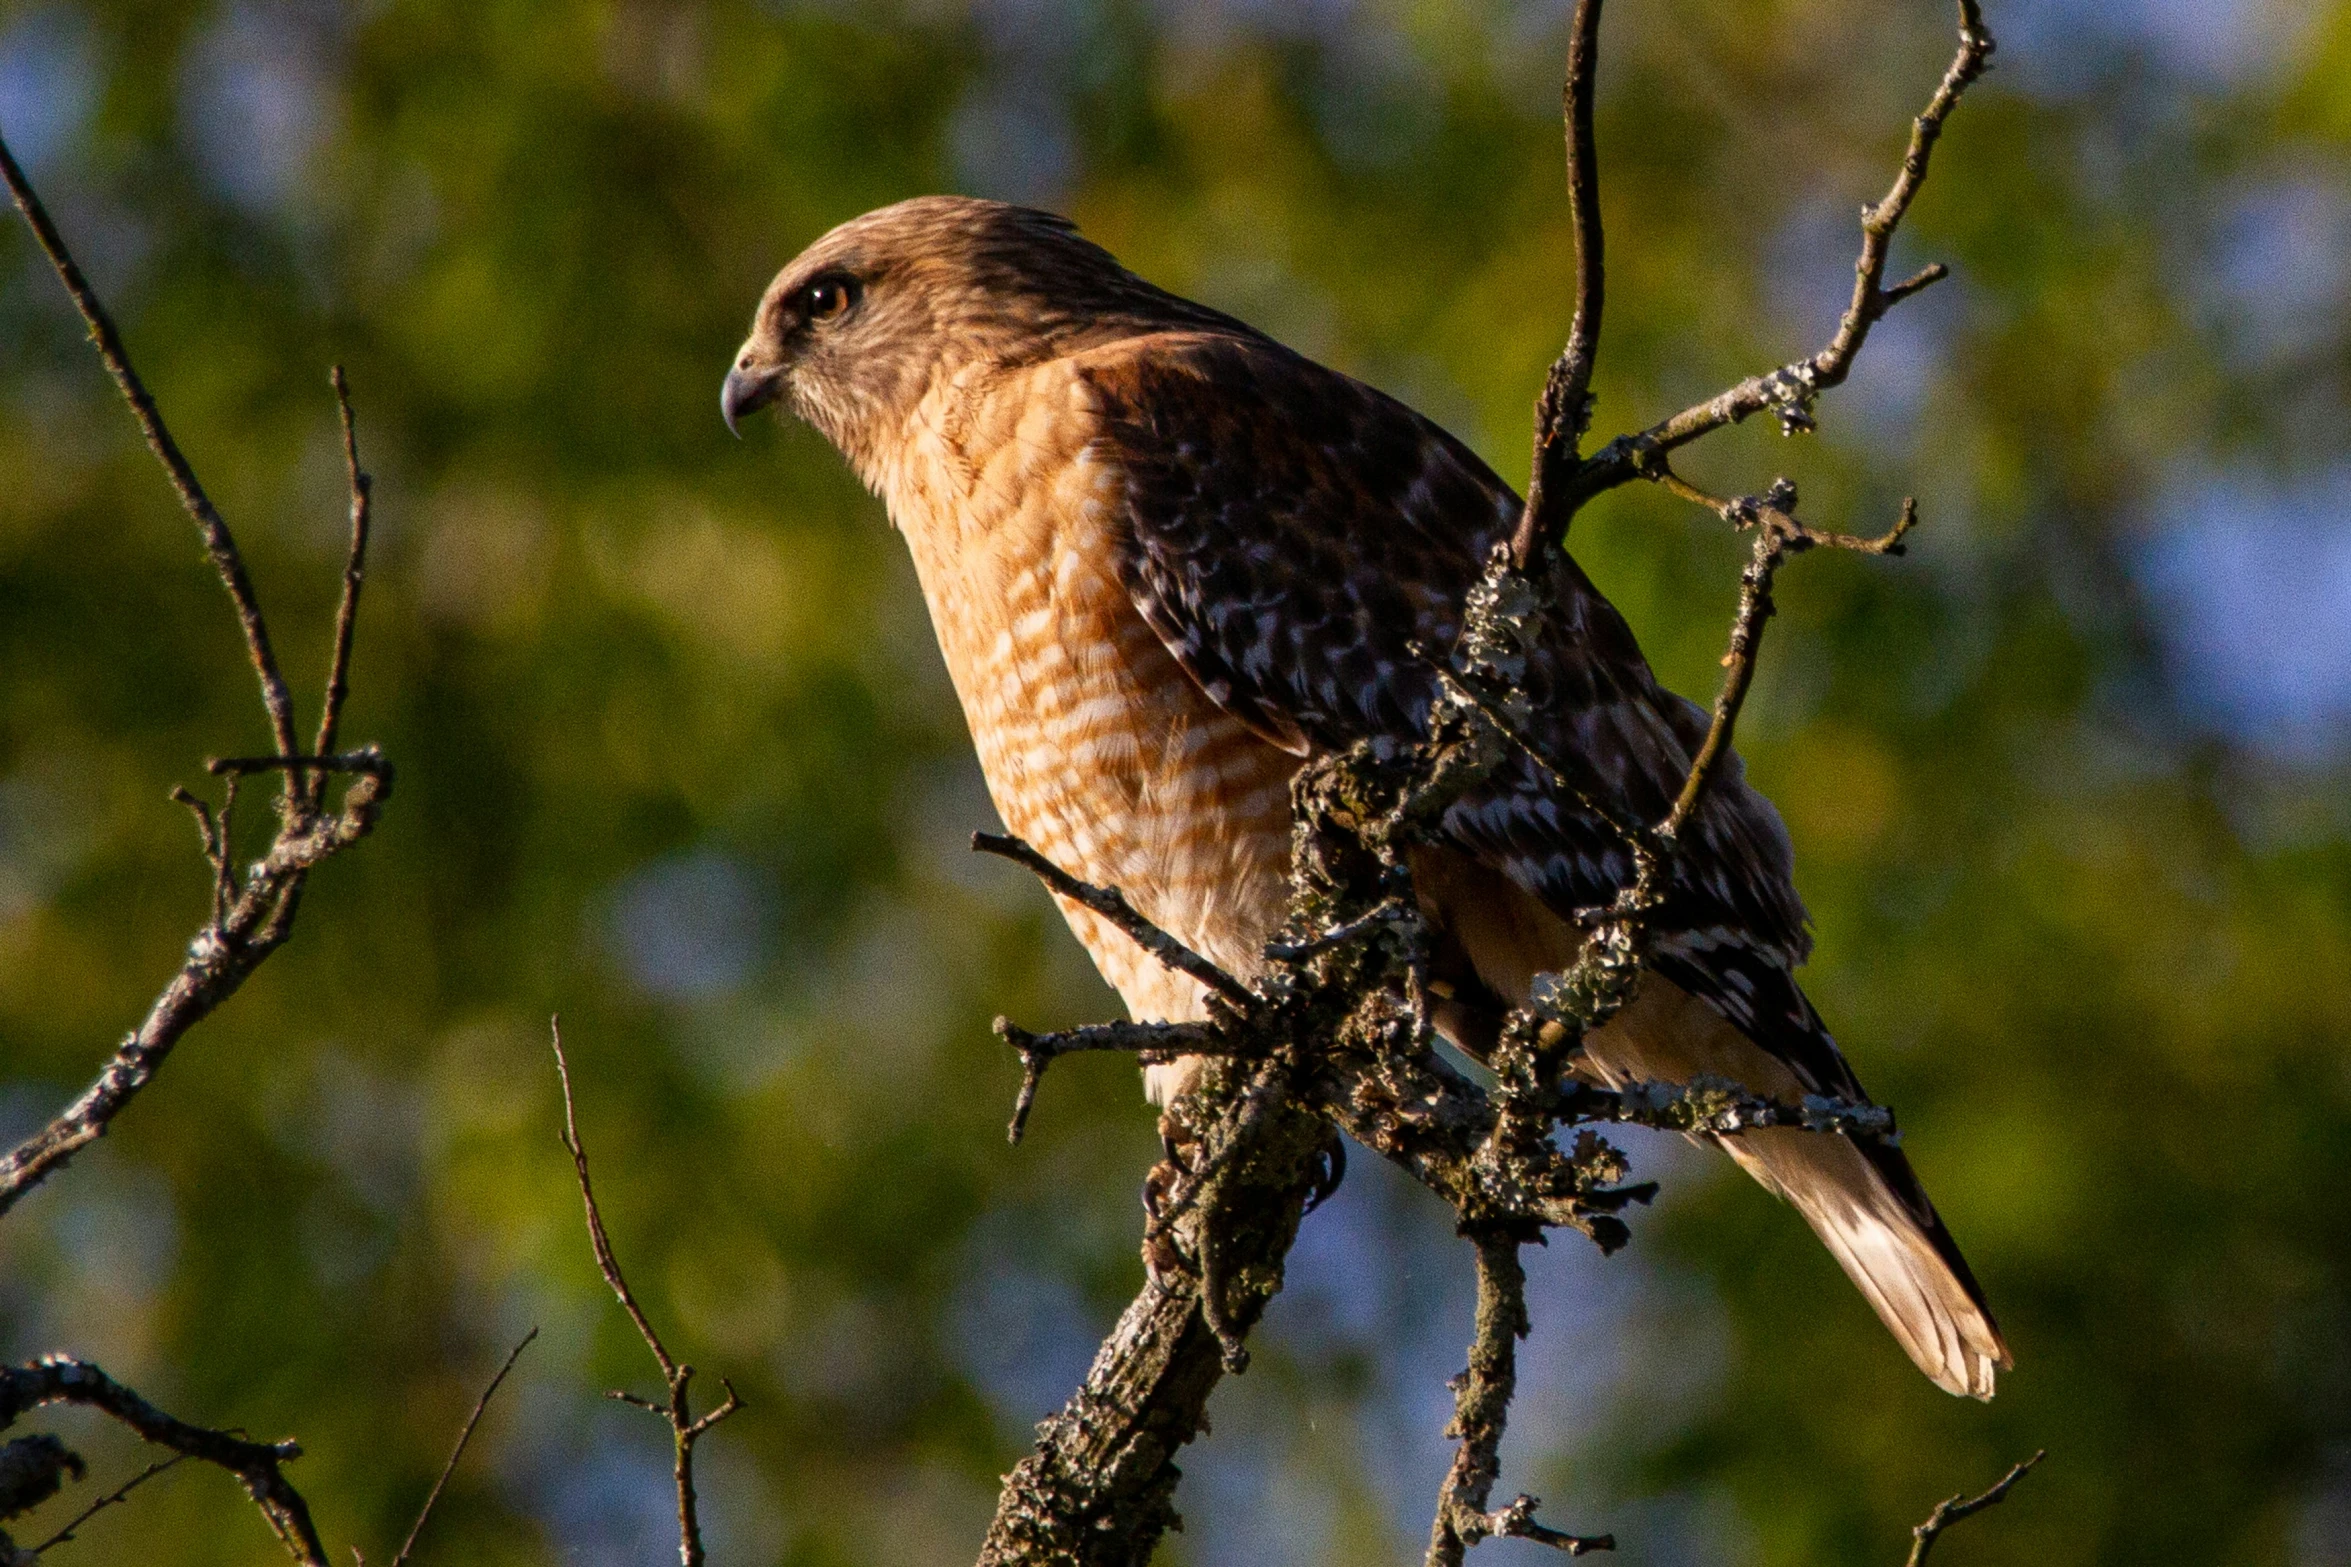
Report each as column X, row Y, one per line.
column 1167, row 558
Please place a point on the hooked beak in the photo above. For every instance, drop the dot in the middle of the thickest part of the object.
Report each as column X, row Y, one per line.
column 746, row 392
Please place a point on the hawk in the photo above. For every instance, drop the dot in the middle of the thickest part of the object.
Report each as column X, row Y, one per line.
column 1169, row 559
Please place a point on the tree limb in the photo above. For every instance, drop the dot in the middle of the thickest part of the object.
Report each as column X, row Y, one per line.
column 250, row 917
column 59, row 1380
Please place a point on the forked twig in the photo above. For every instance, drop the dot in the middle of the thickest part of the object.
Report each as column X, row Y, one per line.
column 251, row 915
column 677, row 1409
column 1957, row 1508
column 1481, row 1412
column 1793, row 388
column 1778, row 535
column 1153, row 1043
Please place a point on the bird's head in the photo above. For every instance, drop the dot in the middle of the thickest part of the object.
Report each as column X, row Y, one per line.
column 866, row 322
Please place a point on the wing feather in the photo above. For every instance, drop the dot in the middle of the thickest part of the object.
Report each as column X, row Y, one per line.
column 1290, row 534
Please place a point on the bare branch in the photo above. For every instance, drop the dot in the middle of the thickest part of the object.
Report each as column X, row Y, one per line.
column 1947, row 1513
column 250, row 917
column 213, row 831
column 1792, row 389
column 677, row 1411
column 433, row 1497
column 58, row 1380
column 606, row 1263
column 1564, row 411
column 1113, row 906
column 220, row 546
column 32, row 1470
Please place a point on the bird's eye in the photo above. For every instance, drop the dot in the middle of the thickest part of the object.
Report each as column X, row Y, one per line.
column 827, row 299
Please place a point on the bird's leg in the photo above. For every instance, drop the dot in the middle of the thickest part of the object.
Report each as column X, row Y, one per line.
column 1177, row 1142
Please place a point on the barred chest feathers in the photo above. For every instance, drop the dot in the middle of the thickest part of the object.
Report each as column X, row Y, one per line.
column 1097, row 747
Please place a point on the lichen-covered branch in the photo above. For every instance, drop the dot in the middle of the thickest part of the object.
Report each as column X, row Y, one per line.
column 1099, row 1488
column 1481, row 1411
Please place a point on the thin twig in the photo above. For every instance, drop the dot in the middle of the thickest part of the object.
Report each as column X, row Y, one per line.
column 110, row 1499
column 1777, row 536
column 1377, row 916
column 216, row 848
column 1564, row 412
column 606, row 1263
column 1153, row 1042
column 1113, row 906
column 220, row 546
column 1947, row 1513
column 59, row 1380
column 433, row 1497
column 354, row 575
column 1718, row 1107
column 685, row 1429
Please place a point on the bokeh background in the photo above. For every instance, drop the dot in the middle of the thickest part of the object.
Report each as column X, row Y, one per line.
column 677, row 758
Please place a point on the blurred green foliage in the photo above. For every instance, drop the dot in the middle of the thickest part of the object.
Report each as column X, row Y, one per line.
column 677, row 758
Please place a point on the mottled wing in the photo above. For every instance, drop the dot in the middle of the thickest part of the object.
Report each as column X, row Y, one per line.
column 1291, row 534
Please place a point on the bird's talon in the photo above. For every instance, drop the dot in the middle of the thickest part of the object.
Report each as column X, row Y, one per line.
column 1330, row 1169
